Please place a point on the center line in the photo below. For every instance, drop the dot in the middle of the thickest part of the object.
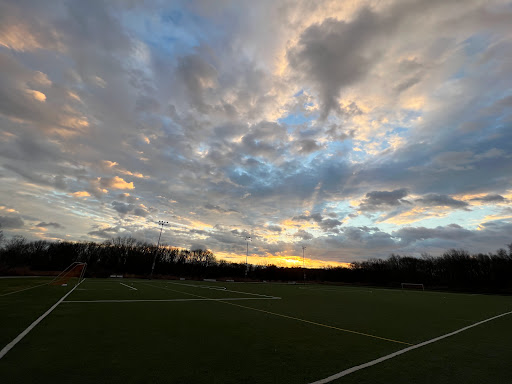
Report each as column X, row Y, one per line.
column 129, row 286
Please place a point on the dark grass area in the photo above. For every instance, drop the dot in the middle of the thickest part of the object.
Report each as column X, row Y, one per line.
column 254, row 340
column 19, row 310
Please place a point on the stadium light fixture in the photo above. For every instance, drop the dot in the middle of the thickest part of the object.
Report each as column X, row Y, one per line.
column 304, row 263
column 247, row 239
column 161, row 224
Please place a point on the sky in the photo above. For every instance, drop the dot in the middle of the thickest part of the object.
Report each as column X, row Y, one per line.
column 354, row 128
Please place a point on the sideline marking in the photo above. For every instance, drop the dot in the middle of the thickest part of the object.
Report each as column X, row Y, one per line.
column 294, row 318
column 18, row 338
column 220, row 289
column 25, row 289
column 129, row 286
column 336, row 290
column 402, row 351
column 164, row 300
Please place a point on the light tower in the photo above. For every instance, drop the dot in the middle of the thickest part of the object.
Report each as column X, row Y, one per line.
column 304, row 263
column 247, row 239
column 161, row 224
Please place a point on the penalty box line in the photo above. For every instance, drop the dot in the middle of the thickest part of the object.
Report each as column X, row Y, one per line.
column 24, row 289
column 168, row 300
column 18, row 338
column 223, row 289
column 294, row 318
column 126, row 285
column 402, row 351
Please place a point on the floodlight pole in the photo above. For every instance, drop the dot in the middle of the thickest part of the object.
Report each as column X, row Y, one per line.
column 247, row 239
column 161, row 224
column 304, row 263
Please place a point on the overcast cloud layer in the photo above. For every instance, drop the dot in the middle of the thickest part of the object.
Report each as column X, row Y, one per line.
column 354, row 128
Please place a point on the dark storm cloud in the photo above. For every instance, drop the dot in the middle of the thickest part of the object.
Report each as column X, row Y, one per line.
column 106, row 233
column 11, row 222
column 489, row 237
column 141, row 212
column 198, row 75
column 122, row 207
column 378, row 200
column 325, row 224
column 329, row 224
column 46, row 225
column 308, row 146
column 218, row 209
column 316, row 217
column 126, row 208
column 304, row 235
column 56, row 181
column 335, row 54
column 363, row 238
column 437, row 200
column 274, row 228
column 450, row 232
column 332, row 54
column 490, row 199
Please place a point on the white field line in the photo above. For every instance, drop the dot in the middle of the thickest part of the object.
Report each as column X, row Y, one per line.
column 402, row 351
column 337, row 290
column 21, row 277
column 225, row 290
column 25, row 289
column 18, row 338
column 290, row 317
column 168, row 300
column 135, row 289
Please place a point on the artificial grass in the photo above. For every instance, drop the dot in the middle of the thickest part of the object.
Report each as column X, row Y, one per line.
column 228, row 342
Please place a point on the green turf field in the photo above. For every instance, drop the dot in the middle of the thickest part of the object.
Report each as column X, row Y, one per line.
column 155, row 331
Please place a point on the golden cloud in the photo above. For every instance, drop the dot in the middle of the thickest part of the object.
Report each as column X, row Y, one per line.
column 18, row 38
column 118, row 183
column 39, row 96
column 81, row 194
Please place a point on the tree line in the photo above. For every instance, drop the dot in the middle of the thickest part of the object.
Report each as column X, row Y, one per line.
column 454, row 269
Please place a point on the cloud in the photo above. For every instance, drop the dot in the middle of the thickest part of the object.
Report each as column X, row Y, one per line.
column 39, row 96
column 141, row 211
column 11, row 222
column 105, row 233
column 81, row 194
column 378, row 200
column 275, row 228
column 46, row 225
column 218, row 209
column 412, row 234
column 437, row 200
column 309, row 146
column 303, row 234
column 334, row 54
column 115, row 182
column 490, row 199
column 122, row 208
column 330, row 224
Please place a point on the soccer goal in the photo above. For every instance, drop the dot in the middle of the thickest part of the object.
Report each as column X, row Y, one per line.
column 416, row 286
column 75, row 270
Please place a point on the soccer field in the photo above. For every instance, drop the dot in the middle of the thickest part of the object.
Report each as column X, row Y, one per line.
column 156, row 331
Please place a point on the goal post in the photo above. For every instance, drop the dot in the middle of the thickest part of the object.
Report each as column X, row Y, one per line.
column 416, row 286
column 74, row 270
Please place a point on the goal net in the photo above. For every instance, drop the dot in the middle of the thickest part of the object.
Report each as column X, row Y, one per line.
column 75, row 271
column 416, row 286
